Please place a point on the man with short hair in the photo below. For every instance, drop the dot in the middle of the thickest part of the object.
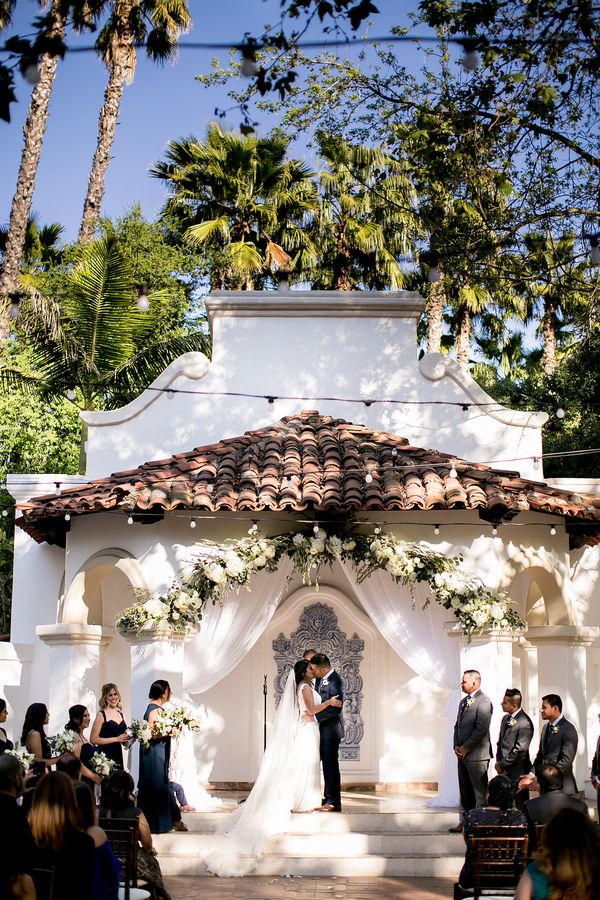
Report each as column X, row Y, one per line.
column 472, row 744
column 15, row 835
column 552, row 797
column 558, row 745
column 331, row 728
column 516, row 732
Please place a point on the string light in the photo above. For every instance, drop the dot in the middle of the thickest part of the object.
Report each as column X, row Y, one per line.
column 536, row 463
column 4, row 513
column 316, row 529
column 192, row 522
column 130, row 520
column 57, row 488
column 494, row 530
column 32, row 74
column 248, row 51
column 595, row 249
column 560, row 413
column 377, row 530
column 14, row 309
column 210, row 488
column 434, row 274
column 71, row 392
column 253, row 528
column 453, row 473
column 143, row 301
column 470, row 60
column 67, row 517
column 368, row 478
column 553, row 530
column 436, row 529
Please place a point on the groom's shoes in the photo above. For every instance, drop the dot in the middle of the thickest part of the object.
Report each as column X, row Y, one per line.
column 328, row 807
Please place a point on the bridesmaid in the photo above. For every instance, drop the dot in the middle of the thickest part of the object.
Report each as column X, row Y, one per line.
column 79, row 719
column 155, row 797
column 33, row 737
column 5, row 744
column 109, row 731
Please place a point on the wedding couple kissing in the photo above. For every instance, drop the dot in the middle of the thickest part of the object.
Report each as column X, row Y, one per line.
column 307, row 730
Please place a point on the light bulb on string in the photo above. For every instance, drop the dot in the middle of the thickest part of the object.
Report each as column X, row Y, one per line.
column 453, row 473
column 253, row 528
column 536, row 463
column 553, row 530
column 210, row 488
column 57, row 488
column 192, row 522
column 434, row 274
column 170, row 394
column 560, row 413
column 67, row 517
column 14, row 309
column 71, row 392
column 595, row 249
column 248, row 66
column 368, row 478
column 436, row 529
column 494, row 530
column 130, row 520
column 316, row 529
column 143, row 301
column 470, row 59
column 4, row 513
column 377, row 530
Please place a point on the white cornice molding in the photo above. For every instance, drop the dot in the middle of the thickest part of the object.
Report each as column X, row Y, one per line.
column 193, row 365
column 23, row 487
column 437, row 366
column 315, row 304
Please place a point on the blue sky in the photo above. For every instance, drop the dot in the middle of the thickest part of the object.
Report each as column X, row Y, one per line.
column 162, row 103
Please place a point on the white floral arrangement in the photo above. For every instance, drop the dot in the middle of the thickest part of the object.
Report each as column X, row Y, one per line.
column 100, row 764
column 64, row 742
column 24, row 756
column 139, row 730
column 178, row 610
column 164, row 723
column 182, row 715
column 218, row 569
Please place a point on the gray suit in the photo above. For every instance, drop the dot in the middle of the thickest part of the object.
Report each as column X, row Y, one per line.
column 541, row 809
column 512, row 754
column 472, row 731
column 558, row 746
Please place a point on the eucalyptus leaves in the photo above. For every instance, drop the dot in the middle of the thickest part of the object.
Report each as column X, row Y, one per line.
column 218, row 569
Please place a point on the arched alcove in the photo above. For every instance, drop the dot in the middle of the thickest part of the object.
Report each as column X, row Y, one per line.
column 537, row 587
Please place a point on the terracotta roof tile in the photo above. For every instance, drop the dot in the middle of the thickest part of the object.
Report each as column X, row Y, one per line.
column 309, row 462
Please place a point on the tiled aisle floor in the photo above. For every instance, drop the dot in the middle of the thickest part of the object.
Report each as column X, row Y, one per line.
column 274, row 888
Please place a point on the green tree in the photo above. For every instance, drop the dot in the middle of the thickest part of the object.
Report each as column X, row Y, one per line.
column 239, row 196
column 365, row 219
column 154, row 24
column 41, row 249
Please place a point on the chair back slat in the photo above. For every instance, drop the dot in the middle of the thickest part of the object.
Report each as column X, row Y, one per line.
column 498, row 862
column 43, row 880
column 122, row 834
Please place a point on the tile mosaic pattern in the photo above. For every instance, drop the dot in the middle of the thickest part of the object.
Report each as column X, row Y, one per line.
column 310, row 463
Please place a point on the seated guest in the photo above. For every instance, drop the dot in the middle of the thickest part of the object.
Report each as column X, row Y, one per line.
column 552, row 798
column 117, row 803
column 61, row 845
column 5, row 744
column 15, row 834
column 107, row 868
column 497, row 811
column 79, row 719
column 568, row 865
column 70, row 765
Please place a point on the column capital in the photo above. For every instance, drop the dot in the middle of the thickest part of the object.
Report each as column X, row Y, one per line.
column 573, row 635
column 76, row 633
column 497, row 635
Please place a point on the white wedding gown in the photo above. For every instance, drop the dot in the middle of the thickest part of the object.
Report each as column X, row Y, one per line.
column 182, row 769
column 288, row 780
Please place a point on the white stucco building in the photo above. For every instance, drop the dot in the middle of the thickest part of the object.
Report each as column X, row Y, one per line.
column 297, row 419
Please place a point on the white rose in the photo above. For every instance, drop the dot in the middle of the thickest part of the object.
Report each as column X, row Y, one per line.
column 270, row 552
column 298, row 540
column 496, row 611
column 216, row 573
column 261, row 561
column 233, row 565
column 154, row 607
column 349, row 545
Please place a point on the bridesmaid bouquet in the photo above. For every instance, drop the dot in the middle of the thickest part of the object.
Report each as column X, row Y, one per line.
column 100, row 764
column 164, row 724
column 24, row 757
column 64, row 742
column 182, row 714
column 139, row 730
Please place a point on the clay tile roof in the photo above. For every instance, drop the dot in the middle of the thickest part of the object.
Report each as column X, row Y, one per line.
column 310, row 462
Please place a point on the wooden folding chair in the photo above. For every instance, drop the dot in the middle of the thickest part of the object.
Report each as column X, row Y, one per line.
column 498, row 863
column 43, row 880
column 122, row 834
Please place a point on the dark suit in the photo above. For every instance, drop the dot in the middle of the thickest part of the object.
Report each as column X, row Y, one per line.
column 559, row 748
column 472, row 731
column 595, row 773
column 541, row 809
column 512, row 755
column 331, row 728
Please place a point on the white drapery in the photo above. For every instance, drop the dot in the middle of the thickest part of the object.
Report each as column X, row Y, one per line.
column 230, row 631
column 417, row 635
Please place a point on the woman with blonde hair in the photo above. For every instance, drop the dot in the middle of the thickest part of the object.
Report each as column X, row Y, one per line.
column 109, row 731
column 567, row 867
column 61, row 845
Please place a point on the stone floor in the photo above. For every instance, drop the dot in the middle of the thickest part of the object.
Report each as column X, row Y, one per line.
column 298, row 888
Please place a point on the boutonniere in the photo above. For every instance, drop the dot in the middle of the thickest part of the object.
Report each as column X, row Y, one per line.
column 555, row 729
column 470, row 701
column 511, row 722
column 324, row 683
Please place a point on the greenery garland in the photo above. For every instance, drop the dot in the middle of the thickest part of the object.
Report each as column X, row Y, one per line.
column 218, row 569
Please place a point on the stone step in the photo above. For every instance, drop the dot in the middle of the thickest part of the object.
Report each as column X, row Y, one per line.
column 402, row 821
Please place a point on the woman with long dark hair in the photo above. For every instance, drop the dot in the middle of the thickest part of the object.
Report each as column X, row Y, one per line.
column 79, row 720
column 155, row 796
column 107, row 868
column 5, row 744
column 33, row 736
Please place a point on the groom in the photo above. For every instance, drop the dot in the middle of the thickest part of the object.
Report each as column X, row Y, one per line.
column 331, row 727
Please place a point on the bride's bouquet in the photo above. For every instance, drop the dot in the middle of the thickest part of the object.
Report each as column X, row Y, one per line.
column 139, row 730
column 182, row 714
column 100, row 764
column 24, row 756
column 64, row 742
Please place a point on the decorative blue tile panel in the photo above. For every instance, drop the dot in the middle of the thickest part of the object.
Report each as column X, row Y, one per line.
column 318, row 628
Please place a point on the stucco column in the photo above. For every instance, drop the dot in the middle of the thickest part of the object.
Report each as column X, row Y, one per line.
column 562, row 652
column 74, row 667
column 491, row 654
column 154, row 654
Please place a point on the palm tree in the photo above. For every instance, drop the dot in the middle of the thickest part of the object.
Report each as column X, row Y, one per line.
column 239, row 197
column 91, row 339
column 40, row 249
column 155, row 23
column 366, row 217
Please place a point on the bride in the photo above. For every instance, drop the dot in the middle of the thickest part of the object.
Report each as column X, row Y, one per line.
column 288, row 780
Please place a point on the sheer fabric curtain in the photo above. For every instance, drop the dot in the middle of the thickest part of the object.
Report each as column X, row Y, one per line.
column 230, row 631
column 418, row 637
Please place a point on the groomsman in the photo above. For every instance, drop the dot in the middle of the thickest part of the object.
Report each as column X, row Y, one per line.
column 558, row 745
column 472, row 744
column 516, row 732
column 596, row 772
